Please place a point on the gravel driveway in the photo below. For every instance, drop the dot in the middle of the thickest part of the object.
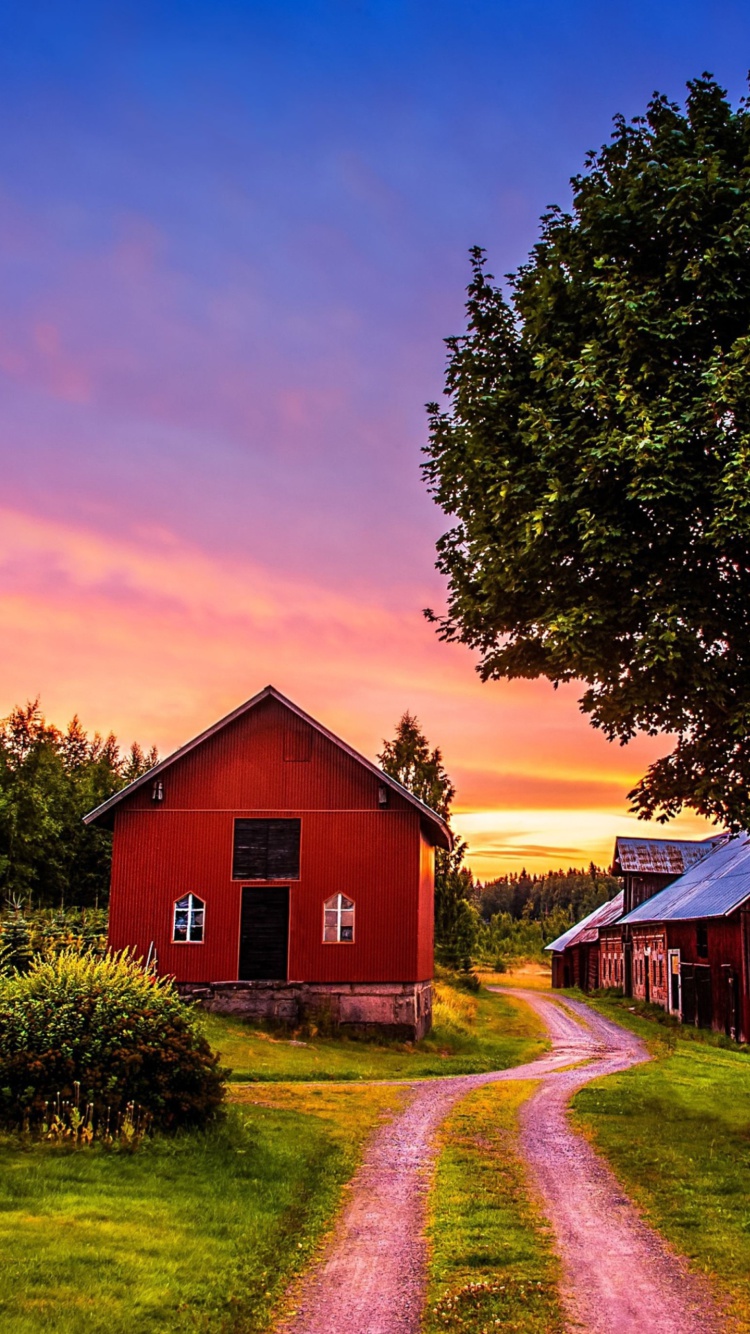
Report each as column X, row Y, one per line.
column 619, row 1278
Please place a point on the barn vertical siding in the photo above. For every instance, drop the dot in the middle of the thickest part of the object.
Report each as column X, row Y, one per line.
column 349, row 844
column 725, row 949
column 426, row 911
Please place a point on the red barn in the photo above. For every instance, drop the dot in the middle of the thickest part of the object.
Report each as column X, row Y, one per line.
column 691, row 942
column 575, row 954
column 275, row 872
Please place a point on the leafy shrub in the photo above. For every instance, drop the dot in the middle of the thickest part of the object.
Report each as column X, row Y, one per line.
column 122, row 1034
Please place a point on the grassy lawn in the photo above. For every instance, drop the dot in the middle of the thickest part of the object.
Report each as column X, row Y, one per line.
column 200, row 1233
column 677, row 1133
column 472, row 1033
column 492, row 1266
column 203, row 1233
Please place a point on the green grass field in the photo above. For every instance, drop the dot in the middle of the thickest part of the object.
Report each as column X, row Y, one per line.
column 491, row 1262
column 472, row 1033
column 199, row 1233
column 202, row 1233
column 677, row 1133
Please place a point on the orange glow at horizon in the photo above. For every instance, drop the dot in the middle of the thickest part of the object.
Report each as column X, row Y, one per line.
column 155, row 639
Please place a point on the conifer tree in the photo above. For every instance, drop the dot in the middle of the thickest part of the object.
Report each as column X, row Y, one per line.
column 409, row 759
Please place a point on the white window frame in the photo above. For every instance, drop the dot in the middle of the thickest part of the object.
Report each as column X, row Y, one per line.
column 673, row 957
column 336, row 904
column 193, row 907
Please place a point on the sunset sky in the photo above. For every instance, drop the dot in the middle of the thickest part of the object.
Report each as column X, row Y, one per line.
column 233, row 237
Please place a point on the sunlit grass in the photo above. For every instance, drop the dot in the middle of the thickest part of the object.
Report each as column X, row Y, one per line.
column 531, row 975
column 491, row 1261
column 199, row 1233
column 472, row 1034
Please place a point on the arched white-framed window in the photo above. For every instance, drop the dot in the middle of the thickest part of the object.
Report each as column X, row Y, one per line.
column 189, row 920
column 338, row 920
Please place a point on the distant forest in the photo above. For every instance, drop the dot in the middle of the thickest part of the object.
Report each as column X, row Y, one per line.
column 48, row 781
column 573, row 893
column 518, row 915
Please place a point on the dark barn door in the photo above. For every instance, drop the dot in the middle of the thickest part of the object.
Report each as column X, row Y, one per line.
column 264, row 932
column 703, row 1000
column 628, row 967
column 687, row 977
column 731, row 1001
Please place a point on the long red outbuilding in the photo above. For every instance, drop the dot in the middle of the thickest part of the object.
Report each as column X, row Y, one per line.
column 274, row 871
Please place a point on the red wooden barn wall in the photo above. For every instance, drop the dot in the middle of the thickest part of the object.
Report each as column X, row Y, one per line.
column 270, row 763
column 726, row 945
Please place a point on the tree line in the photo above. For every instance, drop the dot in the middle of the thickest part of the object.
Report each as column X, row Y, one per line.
column 49, row 779
column 574, row 892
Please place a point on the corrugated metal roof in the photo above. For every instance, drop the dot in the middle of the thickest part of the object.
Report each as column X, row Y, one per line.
column 587, row 930
column 714, row 887
column 436, row 820
column 660, row 856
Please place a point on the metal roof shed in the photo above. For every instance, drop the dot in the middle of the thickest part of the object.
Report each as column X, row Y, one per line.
column 715, row 887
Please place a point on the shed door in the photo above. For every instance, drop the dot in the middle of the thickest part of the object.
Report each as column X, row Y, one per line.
column 731, row 1000
column 627, row 956
column 264, row 933
column 687, row 992
column 675, row 1000
column 703, row 1000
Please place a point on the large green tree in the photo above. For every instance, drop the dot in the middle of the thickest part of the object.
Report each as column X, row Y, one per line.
column 409, row 759
column 594, row 452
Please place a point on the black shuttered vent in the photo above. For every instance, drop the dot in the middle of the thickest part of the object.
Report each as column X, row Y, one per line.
column 266, row 850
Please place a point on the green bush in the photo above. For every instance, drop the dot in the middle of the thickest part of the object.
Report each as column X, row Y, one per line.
column 122, row 1034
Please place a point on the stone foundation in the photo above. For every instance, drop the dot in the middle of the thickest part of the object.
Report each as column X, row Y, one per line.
column 395, row 1009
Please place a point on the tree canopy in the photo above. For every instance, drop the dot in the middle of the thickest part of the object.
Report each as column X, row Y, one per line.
column 49, row 779
column 408, row 759
column 594, row 452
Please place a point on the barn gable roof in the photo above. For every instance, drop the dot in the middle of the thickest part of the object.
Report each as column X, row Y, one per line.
column 587, row 931
column 660, row 856
column 715, row 887
column 440, row 829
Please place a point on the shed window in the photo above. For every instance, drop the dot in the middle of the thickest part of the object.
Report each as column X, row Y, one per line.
column 189, row 918
column 701, row 942
column 266, row 850
column 338, row 920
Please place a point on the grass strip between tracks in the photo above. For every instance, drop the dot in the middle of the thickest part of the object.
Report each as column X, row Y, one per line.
column 676, row 1134
column 492, row 1267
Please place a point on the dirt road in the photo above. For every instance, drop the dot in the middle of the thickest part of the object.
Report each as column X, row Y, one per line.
column 619, row 1277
